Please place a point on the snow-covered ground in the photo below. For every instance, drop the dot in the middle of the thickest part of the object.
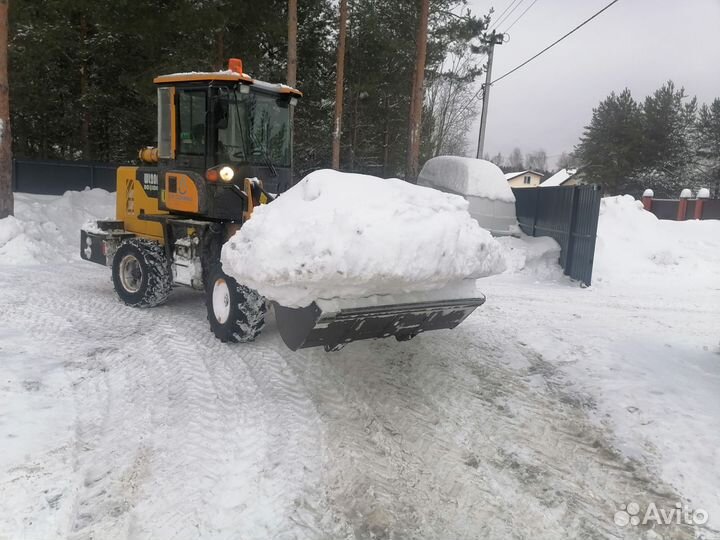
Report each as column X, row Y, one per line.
column 539, row 417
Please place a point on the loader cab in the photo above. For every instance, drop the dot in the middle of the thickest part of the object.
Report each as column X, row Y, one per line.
column 211, row 121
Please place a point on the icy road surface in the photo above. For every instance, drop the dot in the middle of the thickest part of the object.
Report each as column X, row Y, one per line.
column 125, row 423
column 540, row 417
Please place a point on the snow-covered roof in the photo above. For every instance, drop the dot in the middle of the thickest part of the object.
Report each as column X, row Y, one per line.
column 224, row 75
column 559, row 178
column 276, row 87
column 222, row 72
column 511, row 175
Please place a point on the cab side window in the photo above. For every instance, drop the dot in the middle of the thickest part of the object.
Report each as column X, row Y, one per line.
column 192, row 121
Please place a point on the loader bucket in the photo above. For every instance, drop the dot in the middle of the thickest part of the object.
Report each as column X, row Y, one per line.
column 332, row 326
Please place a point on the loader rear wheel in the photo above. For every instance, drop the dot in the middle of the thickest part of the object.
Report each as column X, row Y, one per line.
column 236, row 313
column 140, row 273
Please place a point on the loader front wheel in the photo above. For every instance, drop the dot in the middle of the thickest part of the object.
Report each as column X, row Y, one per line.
column 140, row 273
column 236, row 313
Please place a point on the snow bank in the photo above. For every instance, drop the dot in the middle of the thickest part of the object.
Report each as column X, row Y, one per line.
column 635, row 248
column 46, row 229
column 536, row 256
column 467, row 176
column 350, row 235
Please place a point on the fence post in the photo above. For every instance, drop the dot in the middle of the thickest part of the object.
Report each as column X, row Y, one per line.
column 685, row 194
column 92, row 176
column 647, row 198
column 702, row 194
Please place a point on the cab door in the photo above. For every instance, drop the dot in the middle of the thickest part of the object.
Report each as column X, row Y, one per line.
column 192, row 128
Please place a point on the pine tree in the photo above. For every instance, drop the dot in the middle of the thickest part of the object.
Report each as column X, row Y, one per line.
column 82, row 75
column 292, row 43
column 708, row 145
column 339, row 84
column 6, row 194
column 611, row 146
column 417, row 94
column 667, row 156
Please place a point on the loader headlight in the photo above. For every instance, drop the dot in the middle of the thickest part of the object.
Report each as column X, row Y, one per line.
column 226, row 174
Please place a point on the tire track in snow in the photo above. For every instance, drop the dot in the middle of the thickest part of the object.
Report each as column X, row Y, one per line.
column 180, row 436
column 439, row 438
column 579, row 468
column 275, row 445
column 297, row 440
column 373, row 478
column 200, row 389
column 52, row 316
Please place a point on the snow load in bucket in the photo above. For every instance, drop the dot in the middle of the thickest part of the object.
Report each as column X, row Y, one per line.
column 349, row 256
column 482, row 183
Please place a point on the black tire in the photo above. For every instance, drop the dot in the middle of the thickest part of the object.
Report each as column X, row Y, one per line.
column 236, row 313
column 141, row 273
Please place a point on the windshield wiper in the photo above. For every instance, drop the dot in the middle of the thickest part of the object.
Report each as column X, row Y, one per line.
column 266, row 157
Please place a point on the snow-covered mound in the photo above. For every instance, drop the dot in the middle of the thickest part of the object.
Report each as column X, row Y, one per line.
column 46, row 228
column 535, row 256
column 350, row 235
column 467, row 176
column 634, row 247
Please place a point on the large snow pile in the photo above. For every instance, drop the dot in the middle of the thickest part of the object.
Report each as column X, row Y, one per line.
column 350, row 235
column 46, row 228
column 467, row 176
column 634, row 247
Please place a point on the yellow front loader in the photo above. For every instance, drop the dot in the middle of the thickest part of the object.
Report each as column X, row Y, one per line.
column 224, row 147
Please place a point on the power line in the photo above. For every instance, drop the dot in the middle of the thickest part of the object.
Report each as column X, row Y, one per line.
column 503, row 19
column 482, row 87
column 521, row 15
column 555, row 42
column 500, row 19
column 504, row 11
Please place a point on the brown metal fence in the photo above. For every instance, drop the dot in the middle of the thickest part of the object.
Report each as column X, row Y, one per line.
column 693, row 208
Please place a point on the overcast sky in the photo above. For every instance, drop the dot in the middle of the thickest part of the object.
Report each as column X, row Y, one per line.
column 638, row 44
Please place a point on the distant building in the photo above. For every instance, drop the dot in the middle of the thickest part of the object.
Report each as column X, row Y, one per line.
column 524, row 178
column 564, row 177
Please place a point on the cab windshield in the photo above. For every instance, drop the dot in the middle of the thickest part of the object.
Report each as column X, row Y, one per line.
column 252, row 128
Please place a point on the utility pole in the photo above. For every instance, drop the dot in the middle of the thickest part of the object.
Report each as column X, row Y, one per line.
column 339, row 86
column 6, row 194
column 292, row 44
column 494, row 39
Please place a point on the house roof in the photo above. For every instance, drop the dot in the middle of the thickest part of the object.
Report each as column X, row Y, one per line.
column 509, row 176
column 559, row 178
